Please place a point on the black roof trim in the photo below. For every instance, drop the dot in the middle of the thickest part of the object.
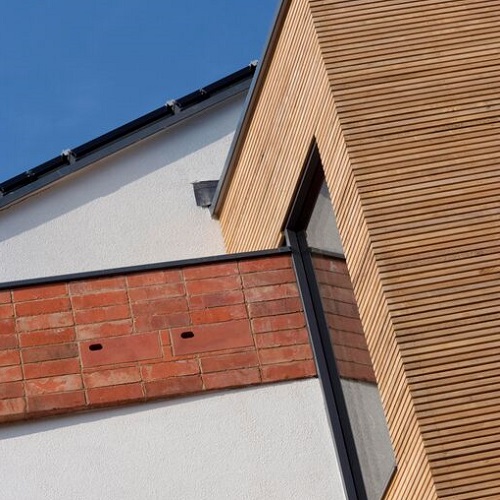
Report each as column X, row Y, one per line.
column 106, row 273
column 26, row 183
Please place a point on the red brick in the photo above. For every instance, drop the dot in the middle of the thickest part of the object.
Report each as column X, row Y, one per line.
column 333, row 279
column 266, row 278
column 115, row 394
column 346, row 353
column 264, row 263
column 9, row 357
column 5, row 297
column 45, row 306
column 11, row 407
column 351, row 325
column 121, row 350
column 348, row 339
column 44, row 337
column 274, row 323
column 165, row 338
column 114, row 376
column 154, row 278
column 6, row 311
column 229, row 361
column 174, row 386
column 210, row 271
column 10, row 374
column 56, row 402
column 333, row 306
column 262, row 293
column 286, row 371
column 11, row 390
column 156, row 307
column 40, row 292
column 337, row 293
column 274, row 307
column 355, row 371
column 54, row 320
column 148, row 323
column 212, row 337
column 333, row 264
column 219, row 314
column 100, row 330
column 50, row 385
column 212, row 285
column 170, row 369
column 102, row 314
column 282, row 338
column 232, row 378
column 92, row 285
column 285, row 354
column 8, row 341
column 215, row 299
column 52, row 368
column 47, row 353
column 102, row 299
column 156, row 292
column 7, row 326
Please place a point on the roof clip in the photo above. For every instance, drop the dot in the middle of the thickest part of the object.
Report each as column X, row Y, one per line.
column 173, row 105
column 69, row 155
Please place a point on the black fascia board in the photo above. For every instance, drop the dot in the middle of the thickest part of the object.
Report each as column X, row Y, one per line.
column 106, row 273
column 17, row 188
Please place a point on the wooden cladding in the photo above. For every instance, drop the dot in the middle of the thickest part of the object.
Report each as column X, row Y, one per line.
column 402, row 98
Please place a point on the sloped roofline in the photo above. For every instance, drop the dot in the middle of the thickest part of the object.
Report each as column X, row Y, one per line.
column 27, row 183
column 249, row 108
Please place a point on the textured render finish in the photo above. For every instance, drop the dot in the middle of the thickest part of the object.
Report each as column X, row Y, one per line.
column 135, row 207
column 271, row 442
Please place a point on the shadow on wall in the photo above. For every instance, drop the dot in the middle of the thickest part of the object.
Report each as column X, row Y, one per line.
column 28, row 427
column 125, row 167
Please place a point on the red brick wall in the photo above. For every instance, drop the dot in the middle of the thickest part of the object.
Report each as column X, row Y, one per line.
column 346, row 332
column 95, row 342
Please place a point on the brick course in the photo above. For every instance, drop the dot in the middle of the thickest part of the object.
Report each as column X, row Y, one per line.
column 112, row 340
column 164, row 333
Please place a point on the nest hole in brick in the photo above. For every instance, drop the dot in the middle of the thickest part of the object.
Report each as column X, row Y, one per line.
column 95, row 347
column 187, row 335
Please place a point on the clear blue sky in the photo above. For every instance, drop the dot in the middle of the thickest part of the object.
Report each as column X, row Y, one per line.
column 71, row 70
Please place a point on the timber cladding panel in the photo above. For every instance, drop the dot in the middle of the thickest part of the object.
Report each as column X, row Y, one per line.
column 416, row 85
column 402, row 98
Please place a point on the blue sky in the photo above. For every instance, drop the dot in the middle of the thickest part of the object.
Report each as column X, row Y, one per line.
column 71, row 70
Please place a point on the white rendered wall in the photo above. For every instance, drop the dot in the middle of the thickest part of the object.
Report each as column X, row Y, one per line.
column 135, row 207
column 271, row 442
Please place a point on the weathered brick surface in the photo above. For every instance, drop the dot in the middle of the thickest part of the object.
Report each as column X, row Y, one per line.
column 164, row 333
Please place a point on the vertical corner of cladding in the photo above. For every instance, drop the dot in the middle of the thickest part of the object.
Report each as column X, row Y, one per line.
column 415, row 113
column 162, row 333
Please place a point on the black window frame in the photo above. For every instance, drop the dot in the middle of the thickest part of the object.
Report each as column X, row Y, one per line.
column 294, row 231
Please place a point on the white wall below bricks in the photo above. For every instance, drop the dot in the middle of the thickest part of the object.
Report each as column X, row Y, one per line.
column 271, row 442
column 135, row 207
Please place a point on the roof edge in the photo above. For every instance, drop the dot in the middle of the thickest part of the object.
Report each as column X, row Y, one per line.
column 250, row 103
column 21, row 186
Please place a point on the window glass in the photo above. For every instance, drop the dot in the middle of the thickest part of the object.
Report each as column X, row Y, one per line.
column 349, row 347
